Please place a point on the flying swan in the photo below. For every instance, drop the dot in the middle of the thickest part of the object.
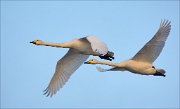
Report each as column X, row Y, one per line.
column 80, row 50
column 142, row 62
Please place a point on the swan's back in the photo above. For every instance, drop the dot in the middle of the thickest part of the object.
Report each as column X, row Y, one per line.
column 97, row 45
column 90, row 45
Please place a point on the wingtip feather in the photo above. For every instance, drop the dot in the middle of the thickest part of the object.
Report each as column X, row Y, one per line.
column 165, row 23
column 100, row 69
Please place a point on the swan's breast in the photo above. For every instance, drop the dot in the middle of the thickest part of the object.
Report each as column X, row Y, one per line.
column 137, row 67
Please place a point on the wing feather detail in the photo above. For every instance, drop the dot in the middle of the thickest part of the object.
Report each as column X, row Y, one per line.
column 153, row 48
column 97, row 45
column 64, row 69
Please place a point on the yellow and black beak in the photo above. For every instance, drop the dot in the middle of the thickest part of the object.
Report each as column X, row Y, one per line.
column 87, row 62
column 32, row 42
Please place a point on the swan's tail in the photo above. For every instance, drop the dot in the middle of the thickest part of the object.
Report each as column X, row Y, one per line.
column 108, row 56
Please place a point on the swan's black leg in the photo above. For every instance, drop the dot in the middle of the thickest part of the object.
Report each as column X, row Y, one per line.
column 108, row 56
column 159, row 74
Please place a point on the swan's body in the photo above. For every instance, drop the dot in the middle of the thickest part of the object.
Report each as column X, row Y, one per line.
column 142, row 62
column 80, row 50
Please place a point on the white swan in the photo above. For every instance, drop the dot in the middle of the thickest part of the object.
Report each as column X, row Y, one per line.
column 141, row 63
column 79, row 51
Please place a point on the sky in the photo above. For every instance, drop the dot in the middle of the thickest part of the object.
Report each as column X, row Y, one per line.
column 125, row 26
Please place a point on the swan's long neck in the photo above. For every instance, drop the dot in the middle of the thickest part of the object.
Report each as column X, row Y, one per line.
column 107, row 63
column 120, row 65
column 62, row 45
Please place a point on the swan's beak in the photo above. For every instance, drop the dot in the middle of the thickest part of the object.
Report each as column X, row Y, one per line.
column 89, row 62
column 33, row 42
column 86, row 62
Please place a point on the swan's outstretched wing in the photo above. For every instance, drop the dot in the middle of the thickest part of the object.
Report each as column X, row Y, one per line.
column 111, row 69
column 64, row 69
column 97, row 45
column 153, row 48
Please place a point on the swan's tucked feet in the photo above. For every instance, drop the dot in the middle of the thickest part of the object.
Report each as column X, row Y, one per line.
column 108, row 56
column 159, row 74
column 37, row 42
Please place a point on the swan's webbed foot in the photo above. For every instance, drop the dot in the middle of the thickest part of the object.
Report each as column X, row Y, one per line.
column 159, row 74
column 108, row 56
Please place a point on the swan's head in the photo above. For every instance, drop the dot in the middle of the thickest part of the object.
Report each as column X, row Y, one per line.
column 37, row 42
column 92, row 61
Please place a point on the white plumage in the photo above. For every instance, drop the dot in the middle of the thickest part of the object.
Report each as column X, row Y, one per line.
column 98, row 45
column 141, row 63
column 80, row 50
column 64, row 69
column 153, row 48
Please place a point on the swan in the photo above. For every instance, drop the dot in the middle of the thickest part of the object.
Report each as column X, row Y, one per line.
column 79, row 50
column 142, row 62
